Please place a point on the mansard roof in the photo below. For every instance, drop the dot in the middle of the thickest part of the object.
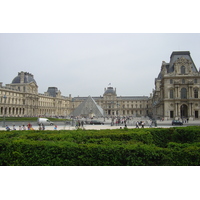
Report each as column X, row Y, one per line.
column 28, row 78
column 175, row 56
column 110, row 90
column 53, row 91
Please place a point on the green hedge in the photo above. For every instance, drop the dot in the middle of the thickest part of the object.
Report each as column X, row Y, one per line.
column 119, row 147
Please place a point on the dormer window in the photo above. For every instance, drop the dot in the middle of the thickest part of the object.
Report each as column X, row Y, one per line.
column 182, row 69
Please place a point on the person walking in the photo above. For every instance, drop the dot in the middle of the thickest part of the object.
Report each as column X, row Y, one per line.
column 137, row 124
column 142, row 124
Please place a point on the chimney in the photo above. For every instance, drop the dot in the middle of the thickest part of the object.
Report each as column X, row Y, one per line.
column 22, row 77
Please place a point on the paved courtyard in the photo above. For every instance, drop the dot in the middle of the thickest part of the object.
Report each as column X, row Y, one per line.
column 107, row 125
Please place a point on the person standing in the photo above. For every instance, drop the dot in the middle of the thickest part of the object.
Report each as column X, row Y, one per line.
column 151, row 123
column 29, row 126
column 7, row 128
column 23, row 127
column 43, row 127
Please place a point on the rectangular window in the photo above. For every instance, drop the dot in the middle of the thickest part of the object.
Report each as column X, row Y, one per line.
column 196, row 114
column 171, row 94
column 171, row 114
column 196, row 93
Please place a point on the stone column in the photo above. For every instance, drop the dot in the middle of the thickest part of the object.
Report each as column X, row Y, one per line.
column 191, row 114
column 176, row 111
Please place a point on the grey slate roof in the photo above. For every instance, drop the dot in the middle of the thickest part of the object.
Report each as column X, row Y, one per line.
column 178, row 54
column 173, row 58
column 28, row 78
column 53, row 91
column 110, row 90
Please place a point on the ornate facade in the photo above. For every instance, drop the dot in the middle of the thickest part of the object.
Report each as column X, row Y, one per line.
column 21, row 98
column 114, row 105
column 176, row 94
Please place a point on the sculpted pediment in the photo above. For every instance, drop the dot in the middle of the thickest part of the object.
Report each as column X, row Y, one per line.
column 32, row 88
column 183, row 61
column 32, row 84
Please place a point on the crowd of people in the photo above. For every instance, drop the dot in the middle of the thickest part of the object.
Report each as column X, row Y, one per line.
column 27, row 127
column 23, row 127
column 80, row 122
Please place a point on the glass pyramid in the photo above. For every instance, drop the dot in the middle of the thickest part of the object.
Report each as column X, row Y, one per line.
column 88, row 108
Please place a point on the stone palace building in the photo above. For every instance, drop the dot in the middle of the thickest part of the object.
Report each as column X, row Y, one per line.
column 176, row 95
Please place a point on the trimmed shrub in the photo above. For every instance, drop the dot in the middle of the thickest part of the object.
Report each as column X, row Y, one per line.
column 120, row 147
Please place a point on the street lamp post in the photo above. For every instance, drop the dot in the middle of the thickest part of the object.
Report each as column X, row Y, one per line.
column 118, row 111
column 73, row 115
column 4, row 111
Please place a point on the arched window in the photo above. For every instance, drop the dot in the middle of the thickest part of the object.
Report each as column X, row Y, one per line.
column 195, row 93
column 182, row 69
column 183, row 93
column 171, row 94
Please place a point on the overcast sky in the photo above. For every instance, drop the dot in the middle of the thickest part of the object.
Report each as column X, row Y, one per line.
column 98, row 54
column 84, row 64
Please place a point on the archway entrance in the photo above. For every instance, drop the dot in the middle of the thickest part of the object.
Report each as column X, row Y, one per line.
column 184, row 111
